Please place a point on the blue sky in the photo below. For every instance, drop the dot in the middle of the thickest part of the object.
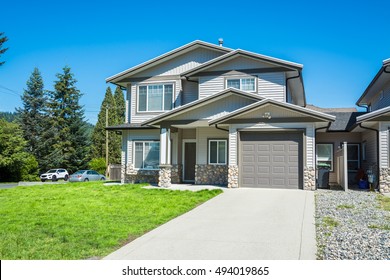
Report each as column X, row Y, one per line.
column 340, row 43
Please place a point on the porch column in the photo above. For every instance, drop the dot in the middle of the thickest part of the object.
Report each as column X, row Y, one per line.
column 164, row 179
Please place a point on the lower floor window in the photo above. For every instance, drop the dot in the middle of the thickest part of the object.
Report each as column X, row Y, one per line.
column 324, row 155
column 217, row 151
column 146, row 154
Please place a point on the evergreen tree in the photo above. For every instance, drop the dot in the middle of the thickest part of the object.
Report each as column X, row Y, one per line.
column 99, row 132
column 120, row 105
column 65, row 137
column 3, row 39
column 32, row 115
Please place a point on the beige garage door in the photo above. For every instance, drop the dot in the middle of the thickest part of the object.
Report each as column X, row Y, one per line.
column 271, row 160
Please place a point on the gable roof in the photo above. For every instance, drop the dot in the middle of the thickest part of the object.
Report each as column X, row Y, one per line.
column 166, row 56
column 380, row 79
column 238, row 53
column 201, row 102
column 319, row 115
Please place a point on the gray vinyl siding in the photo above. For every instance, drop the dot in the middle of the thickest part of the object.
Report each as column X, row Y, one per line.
column 272, row 86
column 378, row 103
column 369, row 137
column 137, row 117
column 202, row 135
column 182, row 63
column 269, row 85
column 190, row 92
column 241, row 63
column 216, row 109
column 134, row 135
column 209, row 85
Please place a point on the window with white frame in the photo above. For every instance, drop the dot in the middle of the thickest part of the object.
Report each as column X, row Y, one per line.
column 324, row 156
column 155, row 98
column 244, row 84
column 146, row 154
column 218, row 152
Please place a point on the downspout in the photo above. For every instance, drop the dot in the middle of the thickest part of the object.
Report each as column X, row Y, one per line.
column 386, row 71
column 287, row 79
column 377, row 148
column 327, row 127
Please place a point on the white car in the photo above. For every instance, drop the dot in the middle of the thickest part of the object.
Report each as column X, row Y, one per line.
column 55, row 174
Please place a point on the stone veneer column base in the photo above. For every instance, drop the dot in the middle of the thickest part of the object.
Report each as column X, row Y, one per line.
column 176, row 173
column 211, row 174
column 384, row 180
column 233, row 176
column 133, row 175
column 164, row 176
column 309, row 179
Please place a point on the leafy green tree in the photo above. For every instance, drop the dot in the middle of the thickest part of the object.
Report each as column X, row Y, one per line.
column 98, row 164
column 15, row 163
column 99, row 132
column 9, row 116
column 32, row 115
column 65, row 136
column 3, row 39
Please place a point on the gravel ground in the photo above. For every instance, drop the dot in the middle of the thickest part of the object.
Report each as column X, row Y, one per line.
column 351, row 226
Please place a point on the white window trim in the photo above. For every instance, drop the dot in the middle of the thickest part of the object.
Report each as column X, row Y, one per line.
column 143, row 153
column 147, row 90
column 332, row 156
column 209, row 151
column 240, row 78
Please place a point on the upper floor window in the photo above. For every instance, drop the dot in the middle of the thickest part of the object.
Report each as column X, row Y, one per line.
column 155, row 98
column 244, row 84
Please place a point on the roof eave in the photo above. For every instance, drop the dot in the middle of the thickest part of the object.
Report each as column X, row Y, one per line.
column 113, row 79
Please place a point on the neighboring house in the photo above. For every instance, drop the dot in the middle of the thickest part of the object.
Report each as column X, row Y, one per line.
column 207, row 114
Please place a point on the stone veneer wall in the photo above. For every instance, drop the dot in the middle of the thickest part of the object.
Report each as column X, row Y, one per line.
column 233, row 176
column 140, row 176
column 164, row 178
column 176, row 173
column 309, row 179
column 384, row 180
column 211, row 174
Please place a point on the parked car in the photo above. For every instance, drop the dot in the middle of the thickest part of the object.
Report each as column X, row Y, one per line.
column 55, row 174
column 85, row 176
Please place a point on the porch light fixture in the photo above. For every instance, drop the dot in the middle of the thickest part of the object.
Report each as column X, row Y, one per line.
column 267, row 115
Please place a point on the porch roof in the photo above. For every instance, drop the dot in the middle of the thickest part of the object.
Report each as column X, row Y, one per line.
column 185, row 109
column 377, row 115
column 308, row 114
column 128, row 126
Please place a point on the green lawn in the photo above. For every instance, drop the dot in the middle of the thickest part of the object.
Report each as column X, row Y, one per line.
column 84, row 220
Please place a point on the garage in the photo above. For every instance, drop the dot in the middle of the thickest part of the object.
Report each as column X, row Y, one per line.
column 271, row 159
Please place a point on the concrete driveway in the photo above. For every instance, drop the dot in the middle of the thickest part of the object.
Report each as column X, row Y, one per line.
column 238, row 224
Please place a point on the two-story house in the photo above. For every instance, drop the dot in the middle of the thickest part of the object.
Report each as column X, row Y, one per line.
column 207, row 114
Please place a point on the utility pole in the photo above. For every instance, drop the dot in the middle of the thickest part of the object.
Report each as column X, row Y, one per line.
column 106, row 142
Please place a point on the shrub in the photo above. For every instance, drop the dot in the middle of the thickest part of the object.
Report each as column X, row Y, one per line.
column 98, row 164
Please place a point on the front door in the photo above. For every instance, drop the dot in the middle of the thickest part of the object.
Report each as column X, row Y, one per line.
column 189, row 161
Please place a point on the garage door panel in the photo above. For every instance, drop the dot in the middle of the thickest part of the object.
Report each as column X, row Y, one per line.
column 263, row 170
column 271, row 160
column 263, row 182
